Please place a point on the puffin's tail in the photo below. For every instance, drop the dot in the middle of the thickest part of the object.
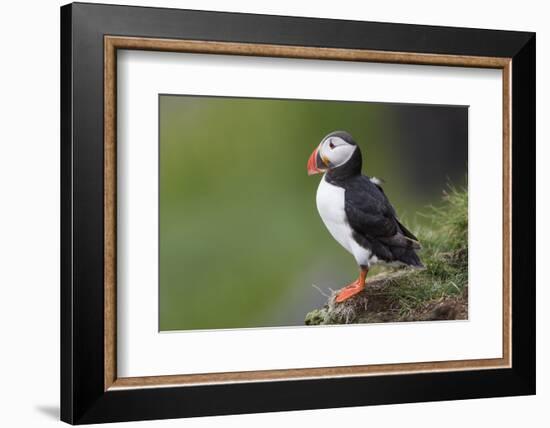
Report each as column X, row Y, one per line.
column 411, row 258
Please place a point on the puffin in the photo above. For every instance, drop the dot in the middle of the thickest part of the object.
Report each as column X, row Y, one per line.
column 357, row 212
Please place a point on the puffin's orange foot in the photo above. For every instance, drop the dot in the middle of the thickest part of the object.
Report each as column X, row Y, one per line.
column 349, row 291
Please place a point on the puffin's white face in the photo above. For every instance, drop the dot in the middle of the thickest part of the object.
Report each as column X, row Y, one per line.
column 336, row 151
column 331, row 153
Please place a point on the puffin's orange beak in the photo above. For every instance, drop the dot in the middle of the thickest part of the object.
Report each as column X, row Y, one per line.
column 312, row 167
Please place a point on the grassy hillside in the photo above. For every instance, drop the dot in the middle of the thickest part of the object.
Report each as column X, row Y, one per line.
column 437, row 292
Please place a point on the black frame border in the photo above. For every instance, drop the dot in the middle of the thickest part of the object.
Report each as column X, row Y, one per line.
column 83, row 399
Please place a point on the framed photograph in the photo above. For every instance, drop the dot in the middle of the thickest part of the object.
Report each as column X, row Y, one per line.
column 265, row 213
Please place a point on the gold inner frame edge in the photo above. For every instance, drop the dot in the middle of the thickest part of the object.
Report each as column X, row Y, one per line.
column 113, row 43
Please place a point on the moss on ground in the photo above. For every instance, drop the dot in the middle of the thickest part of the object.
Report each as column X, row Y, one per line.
column 439, row 291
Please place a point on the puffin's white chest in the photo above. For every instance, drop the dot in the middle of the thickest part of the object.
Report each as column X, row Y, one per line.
column 331, row 207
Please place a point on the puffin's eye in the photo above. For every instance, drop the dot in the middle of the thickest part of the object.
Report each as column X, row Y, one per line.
column 332, row 146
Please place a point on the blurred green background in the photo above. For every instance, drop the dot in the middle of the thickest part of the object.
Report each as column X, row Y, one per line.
column 241, row 242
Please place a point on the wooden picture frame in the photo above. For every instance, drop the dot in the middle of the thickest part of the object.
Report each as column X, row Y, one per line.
column 91, row 390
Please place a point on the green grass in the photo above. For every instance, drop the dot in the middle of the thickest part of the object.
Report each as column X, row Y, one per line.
column 414, row 294
column 444, row 253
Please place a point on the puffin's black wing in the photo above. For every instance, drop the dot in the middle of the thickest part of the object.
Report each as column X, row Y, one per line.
column 405, row 231
column 375, row 224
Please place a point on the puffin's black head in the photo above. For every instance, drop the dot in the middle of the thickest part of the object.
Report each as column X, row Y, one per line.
column 337, row 153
